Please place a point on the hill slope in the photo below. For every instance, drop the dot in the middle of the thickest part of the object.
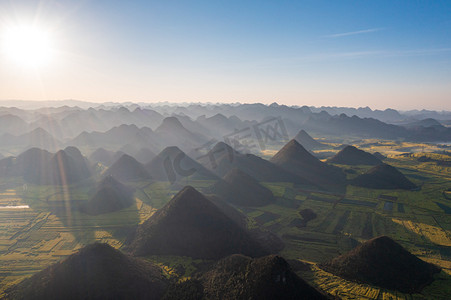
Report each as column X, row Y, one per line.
column 127, row 168
column 33, row 164
column 295, row 159
column 308, row 142
column 222, row 158
column 383, row 176
column 96, row 271
column 143, row 155
column 383, row 262
column 103, row 156
column 118, row 136
column 172, row 132
column 172, row 164
column 191, row 225
column 241, row 277
column 110, row 196
column 350, row 155
column 39, row 166
column 68, row 166
column 241, row 189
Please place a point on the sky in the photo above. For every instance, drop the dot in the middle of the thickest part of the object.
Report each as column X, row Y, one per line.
column 379, row 54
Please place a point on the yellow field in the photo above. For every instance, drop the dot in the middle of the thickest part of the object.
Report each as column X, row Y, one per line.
column 344, row 289
column 32, row 239
column 434, row 234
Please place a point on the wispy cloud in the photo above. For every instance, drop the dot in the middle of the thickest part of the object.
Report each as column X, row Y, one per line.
column 375, row 53
column 340, row 55
column 337, row 35
column 321, row 57
column 296, row 61
column 420, row 52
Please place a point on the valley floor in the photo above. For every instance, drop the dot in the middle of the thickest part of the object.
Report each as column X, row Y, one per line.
column 52, row 227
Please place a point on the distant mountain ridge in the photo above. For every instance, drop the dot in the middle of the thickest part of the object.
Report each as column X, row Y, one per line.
column 37, row 137
column 75, row 125
column 385, row 115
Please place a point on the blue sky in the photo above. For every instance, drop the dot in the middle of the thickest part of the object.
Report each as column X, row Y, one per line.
column 339, row 53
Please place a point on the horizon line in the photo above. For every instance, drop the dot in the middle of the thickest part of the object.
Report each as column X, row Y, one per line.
column 116, row 103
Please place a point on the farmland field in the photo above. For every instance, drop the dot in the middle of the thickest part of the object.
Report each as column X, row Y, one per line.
column 39, row 225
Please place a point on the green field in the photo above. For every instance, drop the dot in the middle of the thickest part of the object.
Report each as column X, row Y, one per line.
column 52, row 227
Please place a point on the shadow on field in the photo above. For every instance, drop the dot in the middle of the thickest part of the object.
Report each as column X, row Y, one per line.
column 65, row 202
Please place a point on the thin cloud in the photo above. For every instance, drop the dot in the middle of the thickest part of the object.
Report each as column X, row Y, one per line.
column 337, row 35
column 378, row 53
column 338, row 56
column 420, row 52
column 341, row 55
column 372, row 54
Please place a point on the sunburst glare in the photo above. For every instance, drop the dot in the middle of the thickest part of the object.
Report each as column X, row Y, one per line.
column 27, row 45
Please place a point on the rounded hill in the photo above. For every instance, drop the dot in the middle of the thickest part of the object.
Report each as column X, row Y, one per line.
column 241, row 189
column 191, row 225
column 97, row 271
column 383, row 262
column 350, row 155
column 383, row 176
column 110, row 195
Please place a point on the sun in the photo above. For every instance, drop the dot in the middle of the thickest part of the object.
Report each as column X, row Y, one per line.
column 27, row 45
